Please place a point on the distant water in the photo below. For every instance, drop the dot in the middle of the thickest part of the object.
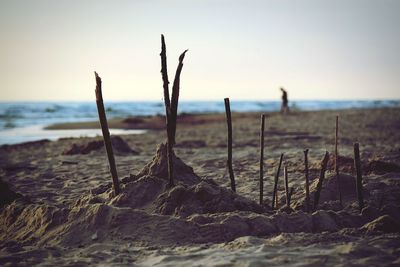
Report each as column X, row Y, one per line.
column 24, row 121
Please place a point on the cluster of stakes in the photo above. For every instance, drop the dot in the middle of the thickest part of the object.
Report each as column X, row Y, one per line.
column 171, row 109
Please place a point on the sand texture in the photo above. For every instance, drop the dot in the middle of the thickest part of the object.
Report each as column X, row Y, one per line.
column 58, row 207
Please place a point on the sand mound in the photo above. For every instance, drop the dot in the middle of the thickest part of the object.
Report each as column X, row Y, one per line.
column 25, row 145
column 385, row 224
column 202, row 198
column 118, row 144
column 329, row 197
column 158, row 167
column 346, row 164
column 381, row 167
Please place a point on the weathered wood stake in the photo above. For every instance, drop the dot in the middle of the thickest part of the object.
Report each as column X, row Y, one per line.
column 229, row 161
column 168, row 116
column 274, row 193
column 307, row 185
column 321, row 178
column 262, row 158
column 171, row 106
column 336, row 160
column 290, row 195
column 175, row 95
column 106, row 135
column 285, row 174
column 357, row 165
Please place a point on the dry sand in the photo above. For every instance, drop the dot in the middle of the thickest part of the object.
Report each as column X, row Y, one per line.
column 57, row 205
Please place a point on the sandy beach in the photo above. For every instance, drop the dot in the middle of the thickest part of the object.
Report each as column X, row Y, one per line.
column 58, row 207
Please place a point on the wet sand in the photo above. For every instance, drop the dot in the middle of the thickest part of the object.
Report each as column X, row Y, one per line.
column 66, row 213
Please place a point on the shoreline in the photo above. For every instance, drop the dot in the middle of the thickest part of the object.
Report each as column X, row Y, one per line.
column 157, row 122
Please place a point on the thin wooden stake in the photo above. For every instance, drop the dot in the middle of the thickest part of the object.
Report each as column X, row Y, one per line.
column 336, row 161
column 262, row 158
column 321, row 178
column 274, row 193
column 167, row 103
column 175, row 96
column 357, row 165
column 106, row 135
column 290, row 195
column 229, row 161
column 285, row 174
column 308, row 207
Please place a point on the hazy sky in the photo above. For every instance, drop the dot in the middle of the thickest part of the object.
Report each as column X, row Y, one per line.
column 237, row 49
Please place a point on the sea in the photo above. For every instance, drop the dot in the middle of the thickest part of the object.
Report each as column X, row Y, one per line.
column 25, row 121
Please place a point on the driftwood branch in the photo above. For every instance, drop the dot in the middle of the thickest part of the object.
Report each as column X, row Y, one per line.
column 167, row 103
column 262, row 158
column 171, row 105
column 336, row 160
column 307, row 185
column 274, row 193
column 290, row 195
column 229, row 161
column 106, row 135
column 285, row 174
column 321, row 178
column 175, row 96
column 357, row 165
column 164, row 74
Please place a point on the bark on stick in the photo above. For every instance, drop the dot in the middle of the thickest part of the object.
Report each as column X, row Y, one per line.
column 167, row 103
column 285, row 174
column 357, row 165
column 307, row 185
column 336, row 160
column 321, row 178
column 274, row 193
column 175, row 96
column 106, row 135
column 262, row 158
column 229, row 161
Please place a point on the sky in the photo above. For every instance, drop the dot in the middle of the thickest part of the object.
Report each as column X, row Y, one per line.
column 239, row 49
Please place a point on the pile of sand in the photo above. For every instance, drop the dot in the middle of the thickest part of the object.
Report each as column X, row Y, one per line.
column 194, row 211
column 118, row 144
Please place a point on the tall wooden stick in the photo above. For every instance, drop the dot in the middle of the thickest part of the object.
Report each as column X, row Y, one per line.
column 321, row 178
column 285, row 174
column 229, row 161
column 274, row 193
column 262, row 158
column 171, row 106
column 336, row 160
column 357, row 165
column 175, row 95
column 167, row 103
column 106, row 135
column 308, row 208
column 290, row 195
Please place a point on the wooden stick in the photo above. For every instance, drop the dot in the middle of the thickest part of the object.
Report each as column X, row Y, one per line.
column 106, row 135
column 229, row 161
column 274, row 193
column 285, row 174
column 321, row 178
column 308, row 208
column 262, row 158
column 175, row 96
column 290, row 195
column 357, row 165
column 336, row 161
column 167, row 103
